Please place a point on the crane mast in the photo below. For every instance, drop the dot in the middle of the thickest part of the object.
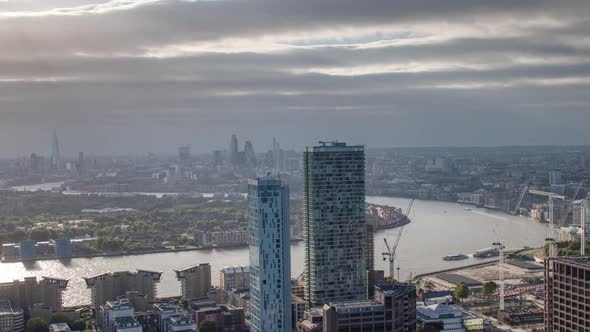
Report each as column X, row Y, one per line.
column 391, row 250
column 551, row 237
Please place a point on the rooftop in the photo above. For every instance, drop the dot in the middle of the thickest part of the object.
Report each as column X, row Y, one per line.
column 581, row 260
column 233, row 269
column 437, row 311
column 125, row 322
column 335, row 146
column 390, row 289
column 59, row 327
column 357, row 306
column 189, row 268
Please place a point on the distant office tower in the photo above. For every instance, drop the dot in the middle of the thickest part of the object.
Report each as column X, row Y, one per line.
column 566, row 294
column 237, row 277
column 234, row 157
column 217, row 158
column 81, row 167
column 555, row 177
column 276, row 155
column 249, row 154
column 25, row 293
column 270, row 261
column 556, row 182
column 55, row 151
column 195, row 281
column 335, row 229
column 108, row 286
column 184, row 155
column 35, row 163
column 11, row 319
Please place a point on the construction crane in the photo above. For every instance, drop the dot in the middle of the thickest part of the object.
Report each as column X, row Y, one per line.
column 500, row 248
column 524, row 191
column 391, row 250
column 551, row 238
column 571, row 204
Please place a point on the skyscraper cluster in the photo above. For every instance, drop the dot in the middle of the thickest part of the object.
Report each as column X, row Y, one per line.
column 238, row 158
column 337, row 250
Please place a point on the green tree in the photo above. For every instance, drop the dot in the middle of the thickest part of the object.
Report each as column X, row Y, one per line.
column 18, row 235
column 40, row 234
column 488, row 288
column 37, row 324
column 79, row 325
column 462, row 291
column 208, row 326
column 60, row 317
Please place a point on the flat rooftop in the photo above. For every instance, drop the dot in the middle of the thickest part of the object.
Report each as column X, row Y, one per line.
column 457, row 279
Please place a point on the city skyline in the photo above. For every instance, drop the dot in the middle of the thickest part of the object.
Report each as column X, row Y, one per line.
column 383, row 73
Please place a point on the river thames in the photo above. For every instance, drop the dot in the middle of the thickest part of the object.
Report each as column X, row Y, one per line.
column 437, row 229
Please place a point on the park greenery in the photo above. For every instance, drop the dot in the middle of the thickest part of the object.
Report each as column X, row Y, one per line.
column 157, row 222
column 462, row 291
column 488, row 288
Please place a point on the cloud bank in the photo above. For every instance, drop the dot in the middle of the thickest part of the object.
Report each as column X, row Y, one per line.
column 149, row 75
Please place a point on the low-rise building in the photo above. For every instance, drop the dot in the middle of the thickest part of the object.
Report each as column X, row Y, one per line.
column 227, row 318
column 231, row 277
column 62, row 247
column 11, row 319
column 120, row 310
column 393, row 309
column 165, row 312
column 440, row 317
column 182, row 323
column 126, row 324
column 59, row 327
column 10, row 251
column 27, row 249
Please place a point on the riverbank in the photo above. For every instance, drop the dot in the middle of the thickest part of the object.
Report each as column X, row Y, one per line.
column 129, row 253
column 430, row 231
column 457, row 202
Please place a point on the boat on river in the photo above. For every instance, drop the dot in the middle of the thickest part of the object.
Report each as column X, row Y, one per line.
column 455, row 257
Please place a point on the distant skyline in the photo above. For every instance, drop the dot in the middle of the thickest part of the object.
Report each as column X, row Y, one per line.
column 138, row 76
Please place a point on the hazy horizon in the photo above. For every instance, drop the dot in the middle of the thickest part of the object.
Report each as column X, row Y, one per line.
column 138, row 76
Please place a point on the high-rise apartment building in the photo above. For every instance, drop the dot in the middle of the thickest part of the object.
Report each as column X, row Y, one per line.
column 567, row 300
column 335, row 229
column 23, row 294
column 270, row 257
column 237, row 277
column 195, row 281
column 108, row 286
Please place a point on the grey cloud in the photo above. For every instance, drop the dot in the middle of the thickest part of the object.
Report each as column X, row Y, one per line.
column 115, row 98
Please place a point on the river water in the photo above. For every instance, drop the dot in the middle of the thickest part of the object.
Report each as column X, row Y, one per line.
column 437, row 229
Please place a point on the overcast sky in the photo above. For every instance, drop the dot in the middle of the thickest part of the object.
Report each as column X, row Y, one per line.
column 150, row 75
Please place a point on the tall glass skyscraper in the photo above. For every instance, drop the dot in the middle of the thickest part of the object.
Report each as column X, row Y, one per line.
column 270, row 255
column 335, row 229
